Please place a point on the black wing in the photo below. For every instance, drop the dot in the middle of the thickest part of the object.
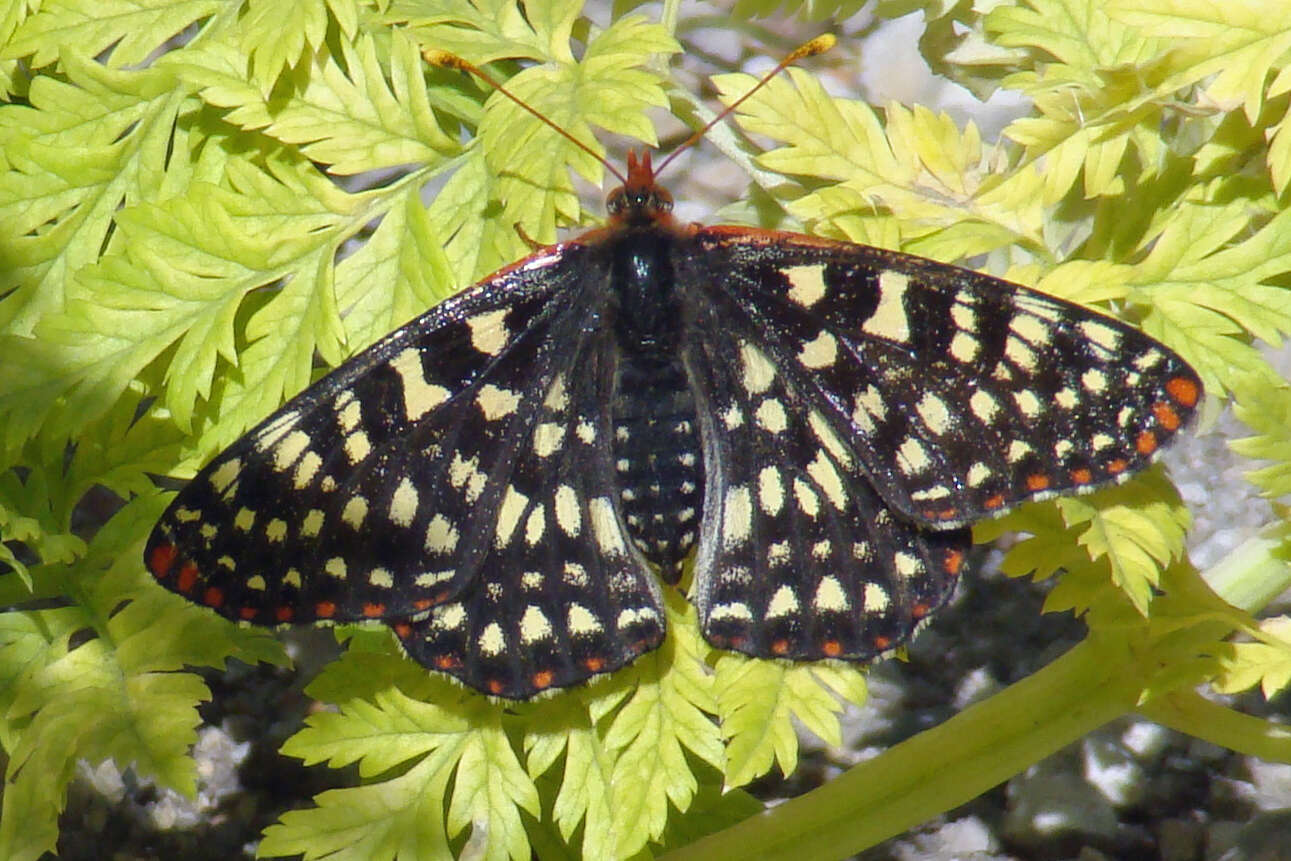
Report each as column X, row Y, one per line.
column 859, row 407
column 408, row 486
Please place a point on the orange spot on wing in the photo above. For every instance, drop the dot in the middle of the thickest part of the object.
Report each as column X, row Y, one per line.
column 1146, row 443
column 1166, row 416
column 213, row 597
column 162, row 558
column 593, row 665
column 496, row 687
column 187, row 577
column 542, row 679
column 1081, row 476
column 779, row 647
column 448, row 662
column 248, row 613
column 1184, row 391
column 423, row 604
column 832, row 648
column 1117, row 466
column 284, row 613
column 996, row 501
column 883, row 643
column 920, row 610
column 325, row 609
column 372, row 611
column 954, row 561
column 1036, row 481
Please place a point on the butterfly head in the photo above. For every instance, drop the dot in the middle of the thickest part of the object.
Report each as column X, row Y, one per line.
column 639, row 200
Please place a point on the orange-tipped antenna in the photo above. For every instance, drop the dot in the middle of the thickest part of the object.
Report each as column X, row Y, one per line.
column 452, row 61
column 818, row 45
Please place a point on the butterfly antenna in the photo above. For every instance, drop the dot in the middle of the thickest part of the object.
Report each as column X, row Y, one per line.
column 452, row 61
column 818, row 45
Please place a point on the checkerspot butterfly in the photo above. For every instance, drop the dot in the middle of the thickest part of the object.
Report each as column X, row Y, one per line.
column 507, row 479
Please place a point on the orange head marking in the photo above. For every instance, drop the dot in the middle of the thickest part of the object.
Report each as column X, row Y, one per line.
column 639, row 200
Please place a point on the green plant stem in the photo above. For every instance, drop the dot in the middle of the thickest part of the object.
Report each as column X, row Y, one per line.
column 937, row 769
column 993, row 740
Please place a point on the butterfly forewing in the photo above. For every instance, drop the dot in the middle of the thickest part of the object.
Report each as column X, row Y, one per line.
column 964, row 394
column 359, row 498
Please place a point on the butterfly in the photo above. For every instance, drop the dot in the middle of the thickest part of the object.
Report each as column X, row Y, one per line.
column 510, row 480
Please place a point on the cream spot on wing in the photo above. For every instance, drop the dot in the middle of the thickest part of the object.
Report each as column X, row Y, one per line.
column 306, row 470
column 354, row 511
column 403, row 504
column 312, row 524
column 441, row 536
column 605, row 526
column 783, row 603
column 224, row 474
column 357, row 446
column 513, row 505
column 822, row 471
column 489, row 333
column 272, row 432
column 824, row 432
column 1030, row 329
column 978, row 473
column 496, row 402
column 1017, row 352
column 449, row 618
column 275, row 530
column 534, row 625
column 291, row 447
column 935, row 413
column 580, row 620
column 732, row 610
column 758, row 372
column 912, row 457
column 557, row 397
column 889, row 319
column 536, row 525
column 830, row 596
column 1101, row 334
column 771, row 416
column 1027, row 403
column 820, row 352
column 806, row 283
column 737, row 516
column 381, row 578
column 547, row 438
column 492, row 641
column 732, row 417
column 336, row 567
column 907, row 564
column 244, row 519
column 983, row 406
column 1094, row 380
column 808, row 501
column 770, row 490
column 964, row 347
column 419, row 395
column 568, row 515
column 875, row 598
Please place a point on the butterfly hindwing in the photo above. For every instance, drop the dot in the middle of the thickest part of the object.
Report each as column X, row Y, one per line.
column 799, row 558
column 561, row 593
column 965, row 394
